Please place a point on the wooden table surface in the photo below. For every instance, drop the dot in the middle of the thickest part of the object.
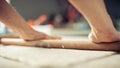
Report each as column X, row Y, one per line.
column 36, row 57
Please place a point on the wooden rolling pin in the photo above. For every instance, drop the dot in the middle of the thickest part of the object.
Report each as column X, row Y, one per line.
column 67, row 44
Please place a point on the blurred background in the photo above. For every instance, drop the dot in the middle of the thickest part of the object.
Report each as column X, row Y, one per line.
column 59, row 16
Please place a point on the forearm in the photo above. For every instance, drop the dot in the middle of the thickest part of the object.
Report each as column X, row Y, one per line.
column 13, row 20
column 95, row 13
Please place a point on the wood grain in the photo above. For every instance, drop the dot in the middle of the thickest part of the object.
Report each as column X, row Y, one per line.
column 67, row 44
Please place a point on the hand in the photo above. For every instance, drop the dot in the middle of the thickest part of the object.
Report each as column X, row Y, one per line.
column 104, row 36
column 35, row 35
